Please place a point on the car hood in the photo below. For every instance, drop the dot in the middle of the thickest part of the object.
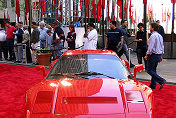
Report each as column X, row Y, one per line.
column 85, row 97
column 95, row 96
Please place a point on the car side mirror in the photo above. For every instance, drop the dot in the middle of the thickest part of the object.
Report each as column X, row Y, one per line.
column 137, row 68
column 41, row 68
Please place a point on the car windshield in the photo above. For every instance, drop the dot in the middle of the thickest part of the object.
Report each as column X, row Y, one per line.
column 89, row 66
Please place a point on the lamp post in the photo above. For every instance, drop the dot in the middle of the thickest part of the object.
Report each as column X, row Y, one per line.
column 145, row 16
column 172, row 32
column 30, row 16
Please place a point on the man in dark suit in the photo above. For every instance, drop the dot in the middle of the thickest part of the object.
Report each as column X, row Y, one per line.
column 160, row 29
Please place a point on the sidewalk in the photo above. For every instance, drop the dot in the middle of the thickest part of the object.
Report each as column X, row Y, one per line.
column 166, row 69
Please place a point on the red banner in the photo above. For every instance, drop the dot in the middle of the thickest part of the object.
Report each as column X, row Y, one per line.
column 145, row 2
column 125, row 8
column 172, row 1
column 26, row 7
column 130, row 10
column 43, row 6
column 93, row 6
column 99, row 10
column 18, row 8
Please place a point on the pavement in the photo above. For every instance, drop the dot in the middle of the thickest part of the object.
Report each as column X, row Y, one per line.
column 166, row 69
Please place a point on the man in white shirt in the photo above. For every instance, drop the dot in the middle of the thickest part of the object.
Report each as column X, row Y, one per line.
column 90, row 38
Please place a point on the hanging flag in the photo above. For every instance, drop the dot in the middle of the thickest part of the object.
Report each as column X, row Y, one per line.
column 8, row 16
column 43, row 6
column 145, row 2
column 87, row 7
column 99, row 10
column 4, row 17
column 119, row 3
column 109, row 19
column 132, row 18
column 26, row 7
column 130, row 10
column 113, row 14
column 172, row 1
column 164, row 16
column 81, row 2
column 18, row 8
column 125, row 8
column 135, row 17
column 103, row 4
column 151, row 13
column 93, row 8
column 168, row 16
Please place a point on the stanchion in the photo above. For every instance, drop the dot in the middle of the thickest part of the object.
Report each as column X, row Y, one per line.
column 129, row 50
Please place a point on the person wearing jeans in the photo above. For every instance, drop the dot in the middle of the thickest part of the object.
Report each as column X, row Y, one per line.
column 154, row 55
column 58, row 38
column 123, row 28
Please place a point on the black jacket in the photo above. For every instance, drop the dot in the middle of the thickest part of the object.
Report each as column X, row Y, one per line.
column 35, row 36
column 19, row 35
column 161, row 31
column 59, row 32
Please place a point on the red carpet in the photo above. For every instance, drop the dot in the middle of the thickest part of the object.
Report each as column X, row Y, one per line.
column 15, row 80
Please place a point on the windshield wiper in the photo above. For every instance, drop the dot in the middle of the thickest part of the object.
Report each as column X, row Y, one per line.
column 93, row 73
column 63, row 74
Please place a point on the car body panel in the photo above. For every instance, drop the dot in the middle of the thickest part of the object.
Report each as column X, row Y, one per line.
column 89, row 98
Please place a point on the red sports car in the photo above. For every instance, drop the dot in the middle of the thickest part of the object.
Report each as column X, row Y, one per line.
column 89, row 84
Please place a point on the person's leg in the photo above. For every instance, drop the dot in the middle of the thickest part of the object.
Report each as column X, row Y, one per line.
column 59, row 47
column 16, row 52
column 4, row 49
column 41, row 44
column 19, row 52
column 139, row 56
column 1, row 50
column 150, row 66
column 151, row 69
column 10, row 46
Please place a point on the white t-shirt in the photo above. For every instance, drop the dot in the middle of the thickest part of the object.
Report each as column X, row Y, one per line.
column 2, row 35
column 90, row 43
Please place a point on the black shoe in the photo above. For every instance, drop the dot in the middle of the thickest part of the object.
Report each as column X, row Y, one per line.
column 161, row 85
column 151, row 87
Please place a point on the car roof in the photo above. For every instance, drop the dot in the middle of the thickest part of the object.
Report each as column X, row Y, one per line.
column 78, row 52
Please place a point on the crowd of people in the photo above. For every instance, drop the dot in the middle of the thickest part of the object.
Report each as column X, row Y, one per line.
column 52, row 37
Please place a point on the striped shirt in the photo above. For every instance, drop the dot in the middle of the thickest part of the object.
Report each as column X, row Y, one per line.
column 156, row 45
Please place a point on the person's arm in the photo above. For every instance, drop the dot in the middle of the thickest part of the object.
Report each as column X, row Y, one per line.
column 122, row 39
column 106, row 43
column 150, row 47
column 74, row 36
